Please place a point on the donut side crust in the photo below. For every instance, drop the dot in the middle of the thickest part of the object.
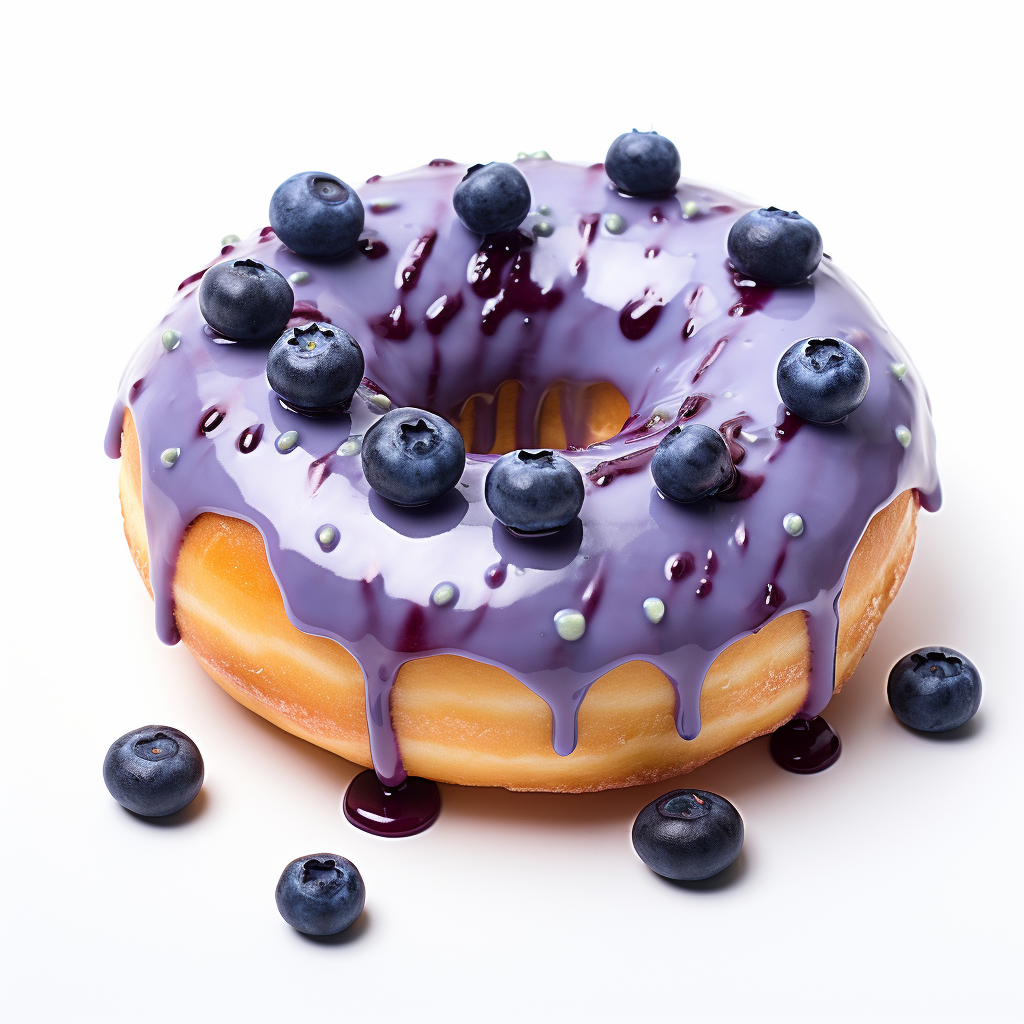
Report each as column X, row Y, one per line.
column 460, row 721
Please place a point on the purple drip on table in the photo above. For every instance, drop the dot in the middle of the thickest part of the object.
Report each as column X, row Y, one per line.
column 391, row 811
column 805, row 746
column 537, row 311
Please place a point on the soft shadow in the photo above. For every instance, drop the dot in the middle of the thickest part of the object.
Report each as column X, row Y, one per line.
column 429, row 520
column 351, row 934
column 554, row 551
column 725, row 878
column 182, row 817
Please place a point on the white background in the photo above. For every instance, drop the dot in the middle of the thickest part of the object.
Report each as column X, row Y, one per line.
column 887, row 888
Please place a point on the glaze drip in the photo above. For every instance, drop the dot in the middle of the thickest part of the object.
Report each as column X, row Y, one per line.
column 471, row 316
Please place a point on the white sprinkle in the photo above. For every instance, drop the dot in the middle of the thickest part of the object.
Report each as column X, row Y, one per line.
column 543, row 229
column 442, row 595
column 169, row 456
column 570, row 624
column 728, row 394
column 229, row 240
column 287, row 441
column 691, row 209
column 326, row 536
column 614, row 224
column 898, row 370
column 903, row 436
column 654, row 609
column 793, row 524
column 381, row 402
column 351, row 446
column 171, row 340
column 299, row 277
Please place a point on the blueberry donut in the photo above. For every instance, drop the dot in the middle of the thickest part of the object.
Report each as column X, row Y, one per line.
column 531, row 475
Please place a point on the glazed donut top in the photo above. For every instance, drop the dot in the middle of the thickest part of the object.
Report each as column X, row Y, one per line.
column 636, row 292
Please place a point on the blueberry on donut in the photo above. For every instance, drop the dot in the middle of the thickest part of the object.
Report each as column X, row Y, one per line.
column 492, row 198
column 316, row 214
column 245, row 300
column 534, row 491
column 691, row 463
column 316, row 367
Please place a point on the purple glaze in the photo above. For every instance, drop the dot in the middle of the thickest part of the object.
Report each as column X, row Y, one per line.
column 391, row 812
column 537, row 310
column 805, row 747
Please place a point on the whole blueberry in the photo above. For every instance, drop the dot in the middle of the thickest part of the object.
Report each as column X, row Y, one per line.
column 934, row 689
column 691, row 463
column 492, row 198
column 643, row 164
column 688, row 834
column 822, row 380
column 155, row 770
column 316, row 214
column 316, row 367
column 245, row 300
column 321, row 894
column 534, row 491
column 775, row 246
column 411, row 456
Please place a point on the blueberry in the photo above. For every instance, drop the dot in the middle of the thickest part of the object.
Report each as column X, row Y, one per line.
column 691, row 463
column 411, row 456
column 534, row 491
column 643, row 164
column 316, row 214
column 316, row 367
column 321, row 894
column 822, row 380
column 153, row 771
column 775, row 246
column 934, row 689
column 492, row 198
column 688, row 834
column 245, row 300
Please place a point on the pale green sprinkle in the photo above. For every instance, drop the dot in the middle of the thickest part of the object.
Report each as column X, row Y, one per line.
column 903, row 436
column 614, row 224
column 690, row 208
column 570, row 624
column 299, row 277
column 654, row 609
column 793, row 524
column 522, row 156
column 443, row 593
column 350, row 447
column 326, row 536
column 898, row 370
column 543, row 229
column 169, row 456
column 383, row 205
column 544, row 210
column 287, row 441
column 171, row 339
column 541, row 154
column 381, row 402
column 229, row 240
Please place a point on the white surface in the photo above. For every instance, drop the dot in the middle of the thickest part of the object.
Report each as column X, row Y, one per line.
column 884, row 889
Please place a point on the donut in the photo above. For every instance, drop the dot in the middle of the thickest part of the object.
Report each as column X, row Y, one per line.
column 615, row 331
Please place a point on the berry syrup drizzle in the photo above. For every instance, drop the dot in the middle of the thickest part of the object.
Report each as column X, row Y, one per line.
column 580, row 306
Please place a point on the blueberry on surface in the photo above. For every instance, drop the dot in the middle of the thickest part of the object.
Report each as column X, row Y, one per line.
column 245, row 300
column 534, row 491
column 643, row 164
column 822, row 380
column 321, row 894
column 492, row 198
column 691, row 463
column 411, row 456
column 316, row 367
column 688, row 834
column 934, row 689
column 316, row 214
column 155, row 770
column 775, row 247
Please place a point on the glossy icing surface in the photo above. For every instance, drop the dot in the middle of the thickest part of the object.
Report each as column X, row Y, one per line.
column 655, row 310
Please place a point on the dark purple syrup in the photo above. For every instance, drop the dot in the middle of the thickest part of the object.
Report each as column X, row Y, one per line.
column 404, row 810
column 639, row 316
column 805, row 747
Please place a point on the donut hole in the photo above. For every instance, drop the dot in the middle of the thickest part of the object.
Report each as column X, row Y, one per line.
column 568, row 415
